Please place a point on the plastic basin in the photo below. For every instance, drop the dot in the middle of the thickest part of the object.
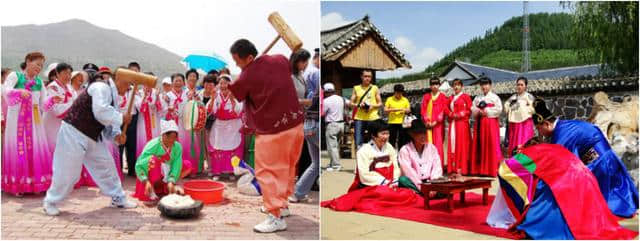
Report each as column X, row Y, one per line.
column 207, row 191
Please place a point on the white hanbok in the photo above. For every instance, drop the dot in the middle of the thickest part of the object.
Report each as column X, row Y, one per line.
column 54, row 112
column 75, row 149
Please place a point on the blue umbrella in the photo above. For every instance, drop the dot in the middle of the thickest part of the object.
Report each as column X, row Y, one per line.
column 205, row 63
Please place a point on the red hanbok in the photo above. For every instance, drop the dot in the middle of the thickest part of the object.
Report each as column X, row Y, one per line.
column 435, row 109
column 459, row 134
column 372, row 198
column 486, row 152
column 156, row 177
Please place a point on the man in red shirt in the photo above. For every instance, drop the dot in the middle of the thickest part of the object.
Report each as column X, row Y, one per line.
column 271, row 105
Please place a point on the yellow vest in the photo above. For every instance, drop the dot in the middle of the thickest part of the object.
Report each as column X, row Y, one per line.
column 396, row 117
column 370, row 99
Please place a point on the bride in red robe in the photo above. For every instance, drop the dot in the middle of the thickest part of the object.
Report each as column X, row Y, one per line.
column 485, row 147
column 434, row 109
column 459, row 134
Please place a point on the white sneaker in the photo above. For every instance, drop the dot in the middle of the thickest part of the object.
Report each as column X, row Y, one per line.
column 284, row 212
column 122, row 202
column 334, row 169
column 294, row 199
column 270, row 225
column 50, row 209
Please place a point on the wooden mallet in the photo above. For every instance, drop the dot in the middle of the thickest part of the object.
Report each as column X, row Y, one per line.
column 284, row 32
column 137, row 79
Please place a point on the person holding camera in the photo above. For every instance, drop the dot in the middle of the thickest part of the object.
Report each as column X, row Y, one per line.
column 366, row 101
column 485, row 148
column 519, row 109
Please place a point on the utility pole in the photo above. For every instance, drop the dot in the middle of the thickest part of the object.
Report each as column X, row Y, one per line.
column 526, row 64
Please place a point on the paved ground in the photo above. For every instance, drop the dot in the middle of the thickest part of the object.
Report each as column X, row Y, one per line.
column 86, row 215
column 352, row 225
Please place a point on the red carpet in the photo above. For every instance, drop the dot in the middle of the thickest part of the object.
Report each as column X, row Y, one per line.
column 469, row 217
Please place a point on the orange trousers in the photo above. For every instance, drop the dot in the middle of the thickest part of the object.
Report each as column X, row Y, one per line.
column 276, row 156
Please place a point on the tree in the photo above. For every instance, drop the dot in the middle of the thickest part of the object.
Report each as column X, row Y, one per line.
column 610, row 29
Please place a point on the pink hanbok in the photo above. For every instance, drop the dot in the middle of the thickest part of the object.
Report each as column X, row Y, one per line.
column 519, row 109
column 4, row 113
column 26, row 158
column 225, row 138
column 148, row 118
column 191, row 151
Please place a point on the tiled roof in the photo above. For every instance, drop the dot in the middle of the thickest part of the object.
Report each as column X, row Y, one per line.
column 495, row 74
column 500, row 75
column 584, row 70
column 336, row 41
column 537, row 86
column 565, row 79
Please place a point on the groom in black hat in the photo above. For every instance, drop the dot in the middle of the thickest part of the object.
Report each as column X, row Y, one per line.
column 587, row 142
column 418, row 159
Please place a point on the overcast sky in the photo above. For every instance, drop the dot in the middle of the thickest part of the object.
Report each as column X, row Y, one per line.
column 426, row 31
column 182, row 27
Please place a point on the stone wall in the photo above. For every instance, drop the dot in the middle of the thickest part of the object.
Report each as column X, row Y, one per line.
column 579, row 106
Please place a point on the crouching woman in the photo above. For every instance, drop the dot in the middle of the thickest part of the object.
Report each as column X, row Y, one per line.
column 160, row 165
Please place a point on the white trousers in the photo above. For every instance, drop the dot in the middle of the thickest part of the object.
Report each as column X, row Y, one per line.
column 73, row 149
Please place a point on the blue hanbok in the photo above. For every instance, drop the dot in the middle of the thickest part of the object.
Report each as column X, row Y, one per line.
column 587, row 142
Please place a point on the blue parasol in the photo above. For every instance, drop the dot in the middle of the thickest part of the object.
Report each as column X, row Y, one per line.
column 204, row 62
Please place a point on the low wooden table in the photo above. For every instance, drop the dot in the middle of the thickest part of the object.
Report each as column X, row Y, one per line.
column 451, row 188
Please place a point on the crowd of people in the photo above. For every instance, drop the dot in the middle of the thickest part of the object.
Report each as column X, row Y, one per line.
column 471, row 150
column 383, row 175
column 66, row 130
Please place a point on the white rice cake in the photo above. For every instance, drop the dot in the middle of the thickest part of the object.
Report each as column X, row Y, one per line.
column 177, row 201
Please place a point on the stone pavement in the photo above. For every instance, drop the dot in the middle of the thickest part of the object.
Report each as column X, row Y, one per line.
column 86, row 215
column 352, row 225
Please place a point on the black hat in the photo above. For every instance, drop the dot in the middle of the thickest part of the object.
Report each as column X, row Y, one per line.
column 542, row 113
column 398, row 88
column 374, row 127
column 417, row 126
column 90, row 66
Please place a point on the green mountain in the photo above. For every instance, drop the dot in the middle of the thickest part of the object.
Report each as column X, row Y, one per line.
column 77, row 42
column 550, row 46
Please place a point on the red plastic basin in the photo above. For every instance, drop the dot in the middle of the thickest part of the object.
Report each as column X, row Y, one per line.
column 207, row 191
